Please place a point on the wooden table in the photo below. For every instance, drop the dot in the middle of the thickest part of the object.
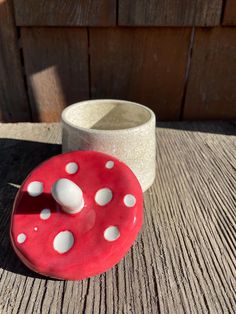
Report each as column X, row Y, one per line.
column 184, row 257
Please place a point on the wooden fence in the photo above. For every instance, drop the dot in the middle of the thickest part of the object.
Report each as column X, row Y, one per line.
column 176, row 56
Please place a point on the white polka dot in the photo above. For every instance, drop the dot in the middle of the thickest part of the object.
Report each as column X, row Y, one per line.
column 21, row 238
column 103, row 196
column 112, row 233
column 71, row 168
column 35, row 188
column 35, row 228
column 63, row 242
column 129, row 200
column 109, row 164
column 45, row 213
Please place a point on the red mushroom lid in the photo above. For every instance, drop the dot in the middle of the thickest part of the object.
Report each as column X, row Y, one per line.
column 76, row 215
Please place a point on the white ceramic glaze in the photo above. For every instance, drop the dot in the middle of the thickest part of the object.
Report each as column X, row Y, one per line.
column 35, row 188
column 68, row 195
column 120, row 128
column 63, row 242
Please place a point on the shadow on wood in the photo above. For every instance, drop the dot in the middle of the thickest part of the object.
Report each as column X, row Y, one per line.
column 215, row 127
column 15, row 165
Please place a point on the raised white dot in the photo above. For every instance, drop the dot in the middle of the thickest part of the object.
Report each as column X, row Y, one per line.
column 71, row 167
column 109, row 164
column 129, row 200
column 63, row 242
column 103, row 196
column 35, row 188
column 45, row 213
column 112, row 233
column 21, row 238
column 68, row 195
column 35, row 228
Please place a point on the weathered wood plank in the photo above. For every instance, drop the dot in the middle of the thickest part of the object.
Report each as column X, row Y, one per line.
column 56, row 63
column 184, row 259
column 146, row 65
column 230, row 13
column 170, row 12
column 211, row 92
column 65, row 13
column 13, row 100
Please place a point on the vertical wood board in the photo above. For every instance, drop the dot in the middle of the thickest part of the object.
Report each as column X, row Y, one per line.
column 230, row 13
column 143, row 65
column 13, row 100
column 65, row 13
column 56, row 62
column 170, row 12
column 211, row 92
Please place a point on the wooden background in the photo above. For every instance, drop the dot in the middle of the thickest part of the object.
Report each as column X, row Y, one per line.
column 176, row 56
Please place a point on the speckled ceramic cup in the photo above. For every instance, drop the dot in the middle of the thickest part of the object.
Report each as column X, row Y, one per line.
column 120, row 128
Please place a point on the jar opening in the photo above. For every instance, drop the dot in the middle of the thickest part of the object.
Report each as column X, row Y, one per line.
column 106, row 115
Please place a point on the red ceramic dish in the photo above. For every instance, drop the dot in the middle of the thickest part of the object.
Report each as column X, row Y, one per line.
column 52, row 240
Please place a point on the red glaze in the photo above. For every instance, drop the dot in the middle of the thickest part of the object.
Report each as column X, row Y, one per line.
column 91, row 253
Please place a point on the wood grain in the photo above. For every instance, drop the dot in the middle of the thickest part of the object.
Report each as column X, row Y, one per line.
column 65, row 13
column 170, row 12
column 13, row 100
column 230, row 13
column 184, row 258
column 211, row 92
column 56, row 63
column 140, row 64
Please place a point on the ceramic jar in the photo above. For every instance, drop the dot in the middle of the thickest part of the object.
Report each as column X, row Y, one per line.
column 120, row 128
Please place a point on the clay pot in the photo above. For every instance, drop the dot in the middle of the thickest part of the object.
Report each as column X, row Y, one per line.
column 120, row 128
